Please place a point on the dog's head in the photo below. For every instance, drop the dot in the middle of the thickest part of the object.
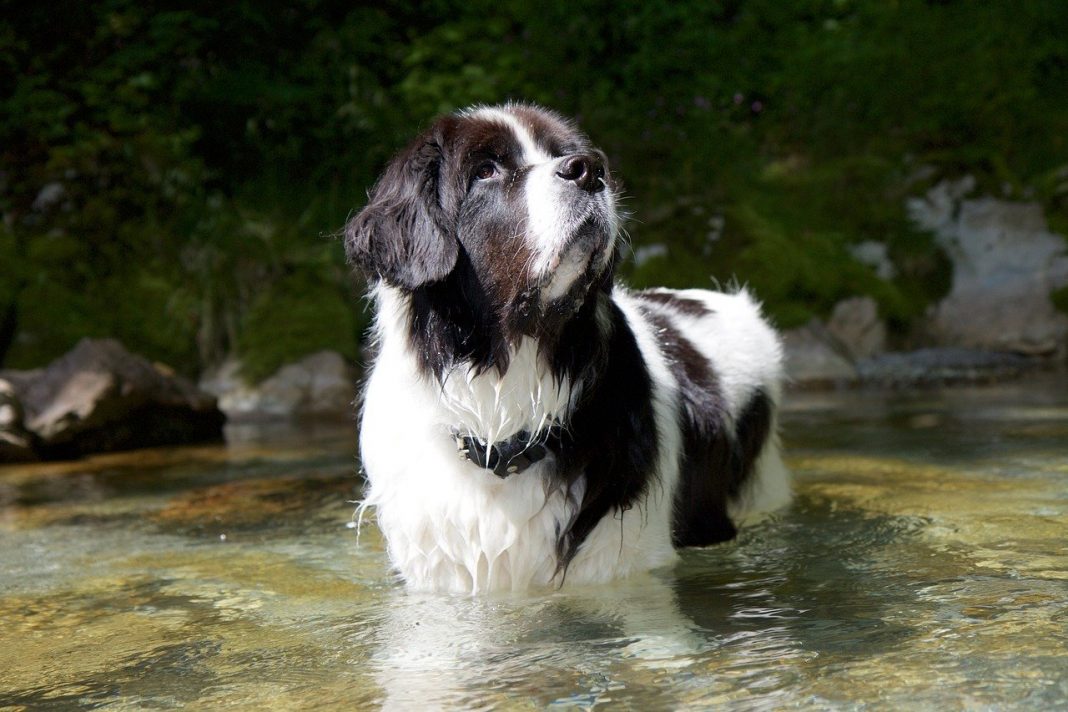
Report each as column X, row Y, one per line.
column 514, row 197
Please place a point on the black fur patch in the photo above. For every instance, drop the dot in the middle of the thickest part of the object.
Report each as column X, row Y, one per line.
column 453, row 321
column 683, row 305
column 402, row 235
column 611, row 437
column 716, row 459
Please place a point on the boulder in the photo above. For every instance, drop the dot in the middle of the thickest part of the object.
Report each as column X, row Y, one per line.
column 16, row 443
column 814, row 358
column 99, row 397
column 856, row 326
column 321, row 385
column 1006, row 263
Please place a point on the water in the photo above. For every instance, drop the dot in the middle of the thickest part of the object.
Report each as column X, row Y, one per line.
column 923, row 565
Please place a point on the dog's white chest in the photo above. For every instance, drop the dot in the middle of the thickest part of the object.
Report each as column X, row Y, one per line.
column 450, row 524
column 462, row 535
column 493, row 407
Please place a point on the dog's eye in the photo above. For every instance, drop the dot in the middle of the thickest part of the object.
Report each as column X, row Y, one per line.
column 486, row 170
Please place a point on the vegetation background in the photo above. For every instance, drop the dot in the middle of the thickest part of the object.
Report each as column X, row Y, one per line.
column 174, row 174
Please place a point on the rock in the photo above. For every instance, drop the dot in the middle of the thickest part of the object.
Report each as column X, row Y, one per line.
column 49, row 196
column 856, row 326
column 99, row 397
column 814, row 358
column 875, row 255
column 16, row 443
column 941, row 366
column 1006, row 263
column 321, row 385
column 825, row 355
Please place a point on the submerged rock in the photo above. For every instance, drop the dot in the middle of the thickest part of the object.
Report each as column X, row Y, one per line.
column 99, row 397
column 321, row 385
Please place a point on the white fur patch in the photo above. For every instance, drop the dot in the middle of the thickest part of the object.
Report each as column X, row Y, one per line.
column 494, row 408
column 532, row 153
column 449, row 524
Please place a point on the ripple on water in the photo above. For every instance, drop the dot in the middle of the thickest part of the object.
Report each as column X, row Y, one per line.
column 922, row 565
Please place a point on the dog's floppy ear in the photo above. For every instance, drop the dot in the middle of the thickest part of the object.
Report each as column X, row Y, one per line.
column 402, row 235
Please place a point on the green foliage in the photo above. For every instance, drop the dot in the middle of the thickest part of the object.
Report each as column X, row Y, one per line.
column 168, row 175
column 787, row 233
column 1060, row 299
column 300, row 315
column 149, row 190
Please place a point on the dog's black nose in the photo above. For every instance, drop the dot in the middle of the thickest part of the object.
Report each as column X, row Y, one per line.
column 586, row 170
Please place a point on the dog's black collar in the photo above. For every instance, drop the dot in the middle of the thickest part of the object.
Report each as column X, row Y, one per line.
column 507, row 457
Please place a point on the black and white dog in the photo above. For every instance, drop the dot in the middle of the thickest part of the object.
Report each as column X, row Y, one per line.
column 527, row 421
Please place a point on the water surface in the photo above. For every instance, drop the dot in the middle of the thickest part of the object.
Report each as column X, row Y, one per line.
column 924, row 564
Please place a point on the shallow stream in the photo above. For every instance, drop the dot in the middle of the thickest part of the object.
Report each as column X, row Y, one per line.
column 923, row 565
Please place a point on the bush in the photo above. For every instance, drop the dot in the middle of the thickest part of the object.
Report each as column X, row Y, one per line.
column 166, row 175
column 298, row 316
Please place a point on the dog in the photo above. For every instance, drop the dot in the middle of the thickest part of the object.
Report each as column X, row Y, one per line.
column 527, row 422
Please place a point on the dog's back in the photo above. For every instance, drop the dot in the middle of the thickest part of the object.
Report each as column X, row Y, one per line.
column 727, row 364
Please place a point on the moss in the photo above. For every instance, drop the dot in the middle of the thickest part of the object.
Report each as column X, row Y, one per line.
column 1060, row 298
column 299, row 315
column 139, row 311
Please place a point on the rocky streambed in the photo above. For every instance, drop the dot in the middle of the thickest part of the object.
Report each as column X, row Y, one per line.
column 922, row 565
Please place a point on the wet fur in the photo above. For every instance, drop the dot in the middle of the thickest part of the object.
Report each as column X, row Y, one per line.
column 498, row 313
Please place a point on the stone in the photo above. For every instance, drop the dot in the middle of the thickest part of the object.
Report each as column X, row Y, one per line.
column 875, row 255
column 1006, row 263
column 814, row 358
column 48, row 197
column 941, row 366
column 16, row 443
column 99, row 397
column 320, row 385
column 855, row 324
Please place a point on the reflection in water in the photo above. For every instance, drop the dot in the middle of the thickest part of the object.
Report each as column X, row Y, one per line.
column 444, row 650
column 923, row 564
